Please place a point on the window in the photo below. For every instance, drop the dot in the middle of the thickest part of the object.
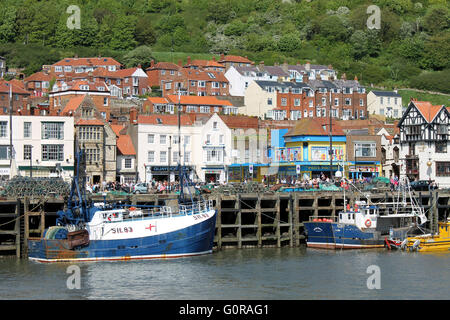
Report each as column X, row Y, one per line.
column 4, row 152
column 396, row 101
column 204, row 109
column 187, row 156
column 91, row 133
column 168, row 85
column 336, row 101
column 208, row 139
column 105, row 101
column 151, row 138
column 215, row 85
column 172, row 72
column 297, row 102
column 381, row 100
column 67, row 68
column 269, row 101
column 27, row 152
column 92, row 155
column 283, row 102
column 175, row 156
column 348, row 101
column 162, row 139
column 58, row 69
column 215, row 125
column 324, row 101
column 221, row 139
column 202, row 84
column 53, row 152
column 361, row 113
column 151, row 156
column 311, row 103
column 128, row 162
column 361, row 102
column 193, row 83
column 305, row 113
column 27, row 129
column 365, row 149
column 53, row 130
column 3, row 129
column 163, row 156
column 442, row 169
column 441, row 146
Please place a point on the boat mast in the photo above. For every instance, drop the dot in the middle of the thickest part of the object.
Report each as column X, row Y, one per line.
column 180, row 173
column 10, row 130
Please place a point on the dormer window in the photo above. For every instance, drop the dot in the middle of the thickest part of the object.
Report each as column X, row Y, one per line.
column 84, row 87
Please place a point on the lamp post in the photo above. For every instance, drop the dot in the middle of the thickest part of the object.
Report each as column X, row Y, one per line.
column 31, row 161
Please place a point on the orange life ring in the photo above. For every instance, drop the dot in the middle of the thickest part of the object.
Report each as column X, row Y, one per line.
column 132, row 208
column 368, row 223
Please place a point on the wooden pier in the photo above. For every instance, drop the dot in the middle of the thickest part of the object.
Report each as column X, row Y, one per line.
column 243, row 220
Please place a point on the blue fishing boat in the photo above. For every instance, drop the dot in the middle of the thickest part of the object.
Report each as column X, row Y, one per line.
column 365, row 225
column 98, row 232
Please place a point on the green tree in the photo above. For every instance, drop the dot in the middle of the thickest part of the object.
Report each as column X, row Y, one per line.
column 7, row 24
column 359, row 43
column 436, row 19
column 139, row 56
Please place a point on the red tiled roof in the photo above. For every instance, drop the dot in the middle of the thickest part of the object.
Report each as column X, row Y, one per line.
column 73, row 104
column 125, row 145
column 39, row 76
column 5, row 87
column 199, row 100
column 427, row 110
column 158, row 100
column 99, row 61
column 117, row 128
column 165, row 66
column 235, row 122
column 93, row 86
column 238, row 59
column 166, row 119
column 314, row 127
column 90, row 122
column 205, row 63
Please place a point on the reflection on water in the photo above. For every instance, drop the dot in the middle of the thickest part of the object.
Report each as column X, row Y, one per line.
column 265, row 274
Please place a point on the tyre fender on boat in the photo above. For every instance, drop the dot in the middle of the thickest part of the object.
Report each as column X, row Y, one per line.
column 368, row 223
column 403, row 244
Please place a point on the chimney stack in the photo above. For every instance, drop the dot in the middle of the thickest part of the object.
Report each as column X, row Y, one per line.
column 307, row 66
column 222, row 56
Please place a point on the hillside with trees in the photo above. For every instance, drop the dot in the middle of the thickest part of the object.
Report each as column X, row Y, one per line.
column 411, row 48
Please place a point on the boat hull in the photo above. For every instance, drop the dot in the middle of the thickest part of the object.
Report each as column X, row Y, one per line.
column 192, row 240
column 332, row 235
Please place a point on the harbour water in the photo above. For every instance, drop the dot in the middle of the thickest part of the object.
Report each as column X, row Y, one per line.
column 238, row 274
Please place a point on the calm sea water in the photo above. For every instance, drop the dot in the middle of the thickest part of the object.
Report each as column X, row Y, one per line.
column 233, row 274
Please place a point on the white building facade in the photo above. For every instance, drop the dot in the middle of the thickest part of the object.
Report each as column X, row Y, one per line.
column 385, row 103
column 424, row 143
column 42, row 146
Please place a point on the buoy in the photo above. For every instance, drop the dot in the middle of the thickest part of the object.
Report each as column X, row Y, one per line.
column 368, row 223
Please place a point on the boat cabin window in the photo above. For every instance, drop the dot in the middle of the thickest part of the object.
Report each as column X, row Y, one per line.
column 353, row 216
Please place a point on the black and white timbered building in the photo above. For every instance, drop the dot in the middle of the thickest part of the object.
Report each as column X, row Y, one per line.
column 424, row 142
